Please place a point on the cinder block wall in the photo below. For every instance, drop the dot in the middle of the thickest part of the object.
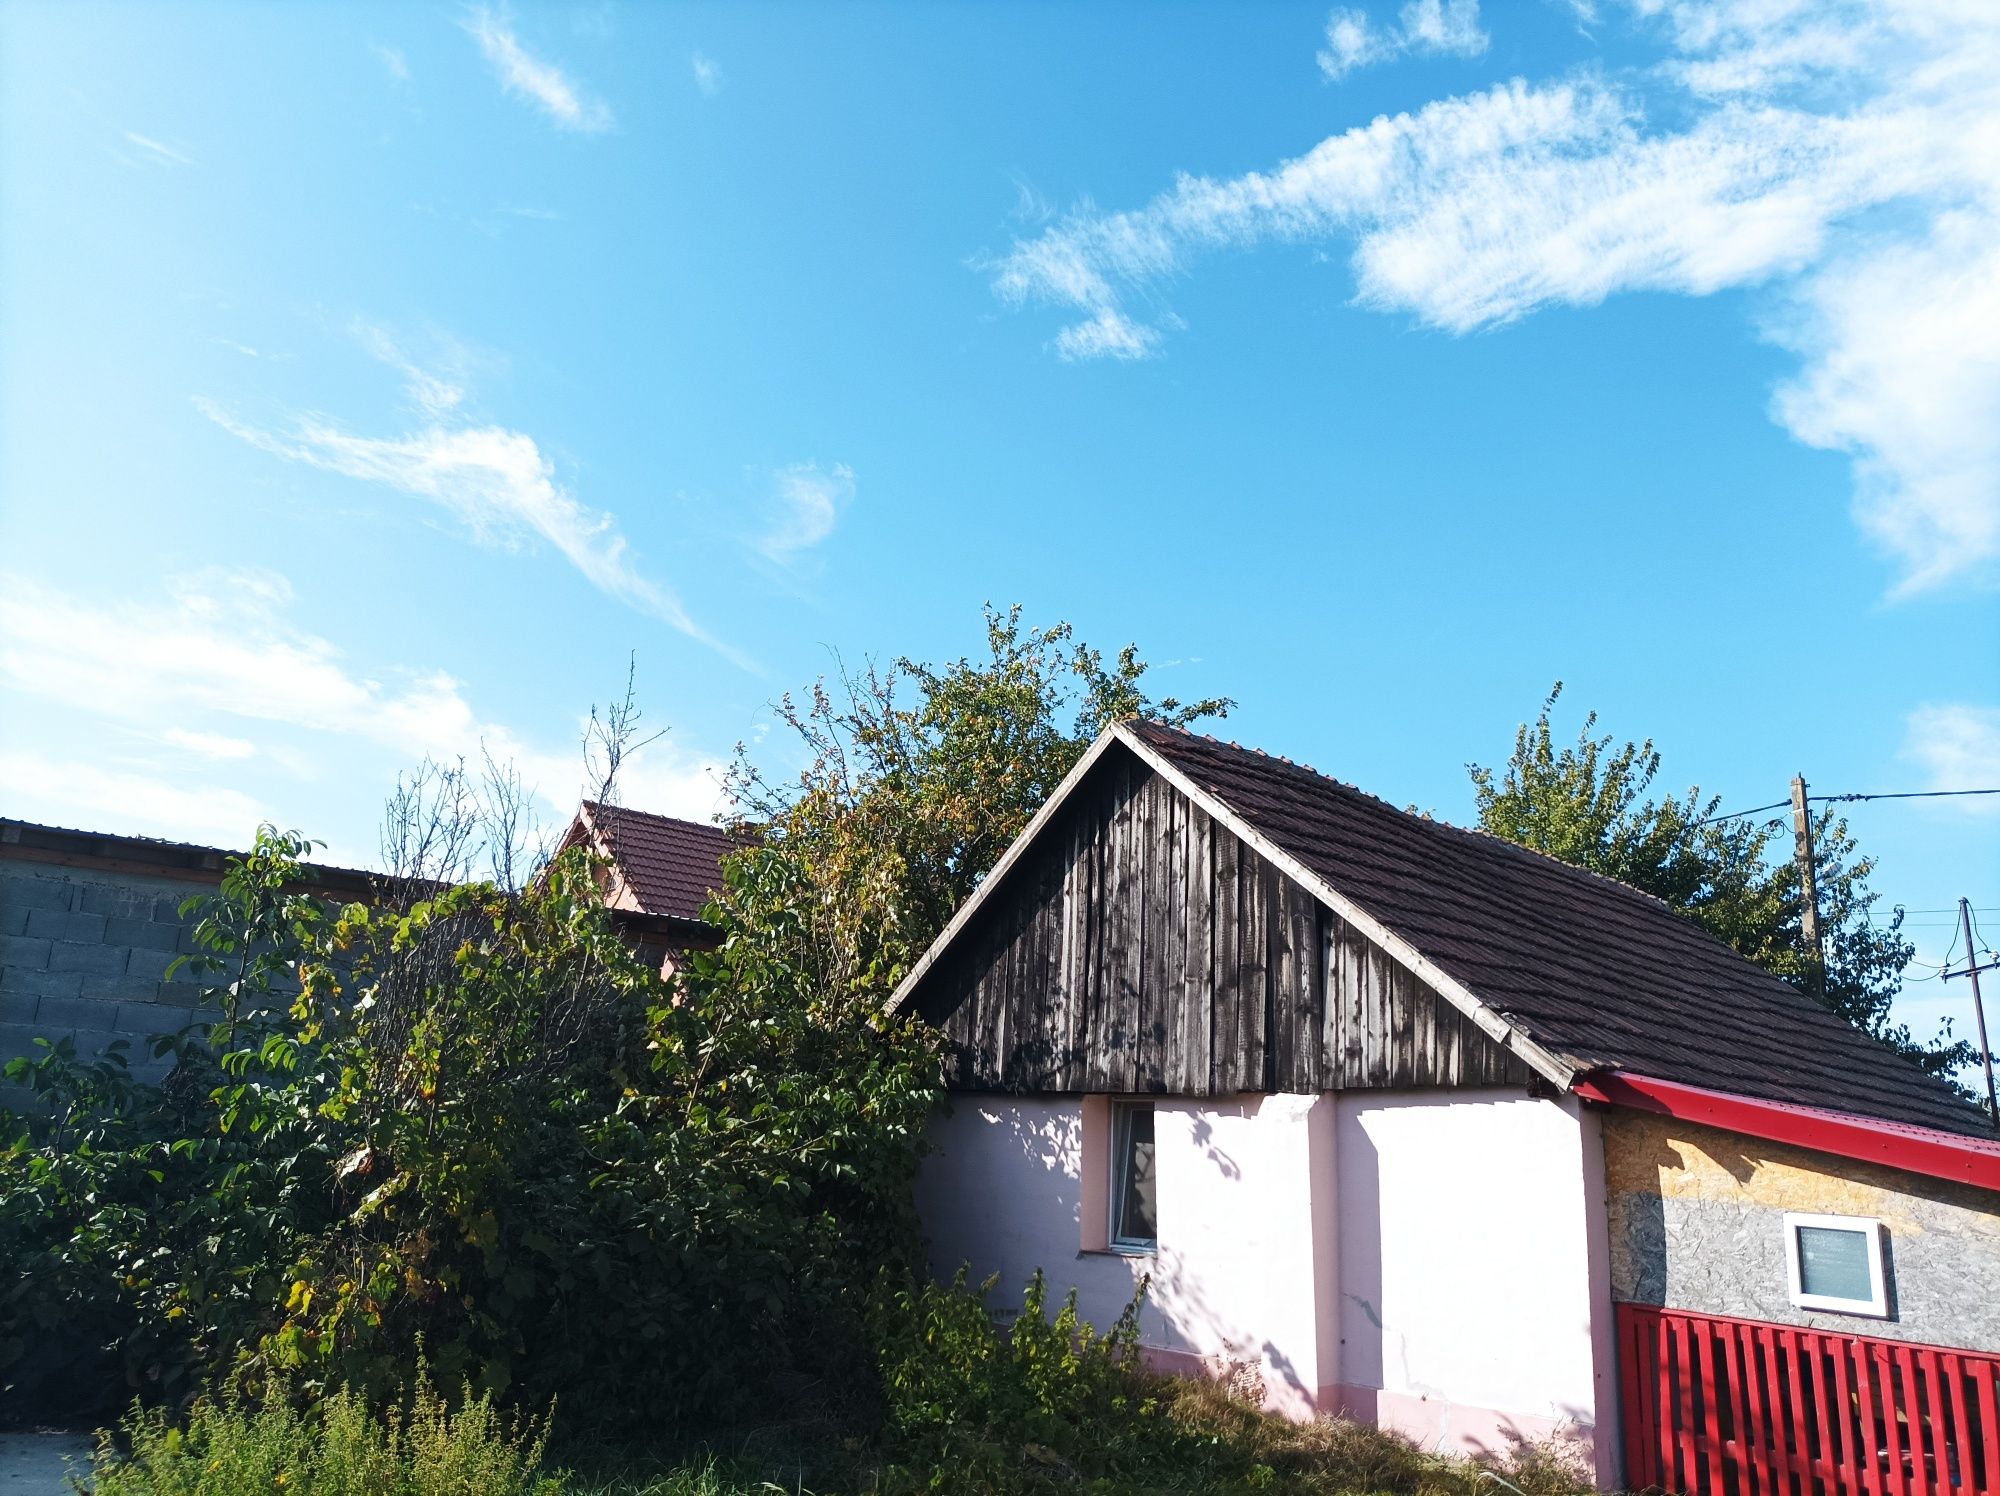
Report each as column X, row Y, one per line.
column 84, row 953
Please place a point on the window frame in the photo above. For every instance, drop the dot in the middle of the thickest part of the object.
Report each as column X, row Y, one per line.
column 1874, row 1233
column 1122, row 1110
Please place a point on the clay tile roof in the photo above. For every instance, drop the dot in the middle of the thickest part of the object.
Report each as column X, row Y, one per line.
column 1587, row 966
column 671, row 866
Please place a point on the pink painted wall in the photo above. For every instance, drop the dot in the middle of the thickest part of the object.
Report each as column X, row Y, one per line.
column 1434, row 1261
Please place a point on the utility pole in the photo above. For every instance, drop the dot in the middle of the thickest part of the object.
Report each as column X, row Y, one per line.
column 1978, row 1008
column 1802, row 853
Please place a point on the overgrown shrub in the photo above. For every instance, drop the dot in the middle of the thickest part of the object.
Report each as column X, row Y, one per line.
column 484, row 1127
column 1046, row 1404
column 967, row 1401
column 339, row 1446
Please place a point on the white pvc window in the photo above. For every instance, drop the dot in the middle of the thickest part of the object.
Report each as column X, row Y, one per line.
column 1836, row 1263
column 1133, row 1182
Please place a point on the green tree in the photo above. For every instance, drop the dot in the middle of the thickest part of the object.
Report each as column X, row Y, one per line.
column 1590, row 803
column 475, row 1124
column 917, row 777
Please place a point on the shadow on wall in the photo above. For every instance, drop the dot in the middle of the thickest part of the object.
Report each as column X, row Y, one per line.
column 1018, row 1198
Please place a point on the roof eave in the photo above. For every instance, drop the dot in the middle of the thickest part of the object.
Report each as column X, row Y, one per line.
column 1963, row 1159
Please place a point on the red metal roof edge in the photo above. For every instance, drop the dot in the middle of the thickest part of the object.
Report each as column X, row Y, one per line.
column 1897, row 1145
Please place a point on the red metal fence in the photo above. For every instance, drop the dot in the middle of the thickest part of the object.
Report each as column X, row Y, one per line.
column 1732, row 1407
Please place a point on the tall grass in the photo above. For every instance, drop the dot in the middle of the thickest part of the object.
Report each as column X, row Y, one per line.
column 1202, row 1442
column 336, row 1447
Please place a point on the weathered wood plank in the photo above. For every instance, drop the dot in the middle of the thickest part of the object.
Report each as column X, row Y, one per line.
column 1330, row 1052
column 1167, row 947
column 1075, row 914
column 1354, row 958
column 1141, row 947
column 1259, row 891
column 1198, row 984
column 1226, row 1059
column 1281, row 979
column 1122, row 914
column 1098, row 1036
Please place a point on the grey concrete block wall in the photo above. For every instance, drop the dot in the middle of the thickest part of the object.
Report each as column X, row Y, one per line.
column 84, row 954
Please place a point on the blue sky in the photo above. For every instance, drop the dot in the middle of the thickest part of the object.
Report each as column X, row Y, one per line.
column 376, row 378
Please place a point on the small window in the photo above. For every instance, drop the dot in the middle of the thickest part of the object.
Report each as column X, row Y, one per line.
column 1132, row 1178
column 1836, row 1264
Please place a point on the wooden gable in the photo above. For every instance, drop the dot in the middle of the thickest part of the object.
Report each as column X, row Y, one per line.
column 1138, row 945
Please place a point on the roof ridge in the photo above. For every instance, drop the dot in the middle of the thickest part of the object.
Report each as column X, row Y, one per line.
column 599, row 806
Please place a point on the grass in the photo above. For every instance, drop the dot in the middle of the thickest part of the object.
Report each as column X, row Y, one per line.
column 338, row 1447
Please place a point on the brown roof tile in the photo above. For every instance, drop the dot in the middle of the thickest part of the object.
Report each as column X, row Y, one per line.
column 670, row 865
column 1587, row 966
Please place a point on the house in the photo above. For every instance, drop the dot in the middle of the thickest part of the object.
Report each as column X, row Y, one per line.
column 91, row 922
column 1407, row 1122
column 657, row 873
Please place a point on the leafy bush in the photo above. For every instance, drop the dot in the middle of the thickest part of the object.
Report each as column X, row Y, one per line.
column 1046, row 1404
column 966, row 1400
column 483, row 1126
column 339, row 1447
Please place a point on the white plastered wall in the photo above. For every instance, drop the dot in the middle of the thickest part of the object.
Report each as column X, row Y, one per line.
column 1430, row 1260
column 1475, row 1290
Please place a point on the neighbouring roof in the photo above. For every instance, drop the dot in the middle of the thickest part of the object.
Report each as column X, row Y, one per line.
column 1589, row 969
column 668, row 866
column 110, row 851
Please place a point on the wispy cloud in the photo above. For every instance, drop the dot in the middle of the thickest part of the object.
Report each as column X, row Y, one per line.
column 158, row 151
column 1958, row 747
column 707, row 74
column 1847, row 156
column 69, row 791
column 1432, row 26
column 809, row 501
column 209, row 744
column 222, row 647
column 393, row 62
column 436, row 394
column 496, row 481
column 527, row 77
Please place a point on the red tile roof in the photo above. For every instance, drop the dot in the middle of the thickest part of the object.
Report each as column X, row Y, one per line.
column 670, row 866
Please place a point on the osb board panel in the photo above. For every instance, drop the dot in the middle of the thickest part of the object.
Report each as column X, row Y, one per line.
column 1697, row 1223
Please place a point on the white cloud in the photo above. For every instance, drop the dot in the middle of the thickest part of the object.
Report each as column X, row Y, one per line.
column 68, row 792
column 220, row 645
column 1847, row 156
column 707, row 74
column 436, row 395
column 809, row 502
column 1901, row 347
column 222, row 649
column 497, row 481
column 1108, row 334
column 158, row 151
column 1958, row 747
column 527, row 77
column 1432, row 26
column 394, row 62
column 209, row 744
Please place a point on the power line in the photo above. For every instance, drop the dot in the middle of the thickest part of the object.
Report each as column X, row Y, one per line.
column 1737, row 815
